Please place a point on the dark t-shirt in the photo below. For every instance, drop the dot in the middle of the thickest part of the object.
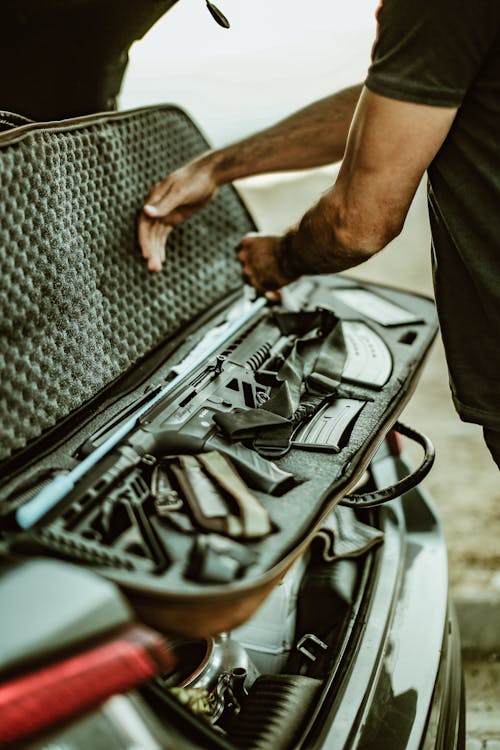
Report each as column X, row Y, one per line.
column 447, row 53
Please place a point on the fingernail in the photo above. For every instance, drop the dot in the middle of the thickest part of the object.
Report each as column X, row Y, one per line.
column 152, row 210
column 272, row 296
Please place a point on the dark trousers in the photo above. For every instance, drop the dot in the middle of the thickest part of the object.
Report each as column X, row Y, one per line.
column 492, row 439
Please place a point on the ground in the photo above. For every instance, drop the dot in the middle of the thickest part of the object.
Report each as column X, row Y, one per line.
column 482, row 679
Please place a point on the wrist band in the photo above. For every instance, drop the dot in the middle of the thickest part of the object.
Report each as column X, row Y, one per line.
column 287, row 264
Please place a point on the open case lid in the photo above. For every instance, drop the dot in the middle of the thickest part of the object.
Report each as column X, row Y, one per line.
column 78, row 307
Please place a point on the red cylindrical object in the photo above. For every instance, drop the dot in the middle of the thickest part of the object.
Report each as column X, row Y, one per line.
column 37, row 701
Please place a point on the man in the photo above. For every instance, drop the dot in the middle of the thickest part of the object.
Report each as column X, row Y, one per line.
column 431, row 101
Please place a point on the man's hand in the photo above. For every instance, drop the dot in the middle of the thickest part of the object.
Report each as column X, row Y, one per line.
column 260, row 256
column 313, row 136
column 170, row 201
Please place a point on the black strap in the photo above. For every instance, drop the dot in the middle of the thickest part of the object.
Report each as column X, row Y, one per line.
column 311, row 373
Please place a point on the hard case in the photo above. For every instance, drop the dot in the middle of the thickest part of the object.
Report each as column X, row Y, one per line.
column 90, row 338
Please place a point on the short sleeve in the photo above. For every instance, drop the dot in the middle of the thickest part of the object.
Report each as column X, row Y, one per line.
column 430, row 51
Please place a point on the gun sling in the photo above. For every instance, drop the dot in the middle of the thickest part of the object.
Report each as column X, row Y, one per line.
column 310, row 374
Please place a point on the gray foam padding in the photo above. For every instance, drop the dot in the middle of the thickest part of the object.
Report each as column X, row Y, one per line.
column 78, row 307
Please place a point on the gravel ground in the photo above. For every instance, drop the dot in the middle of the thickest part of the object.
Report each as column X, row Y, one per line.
column 482, row 681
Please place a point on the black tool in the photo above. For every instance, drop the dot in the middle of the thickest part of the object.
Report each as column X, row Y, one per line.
column 215, row 559
column 133, row 496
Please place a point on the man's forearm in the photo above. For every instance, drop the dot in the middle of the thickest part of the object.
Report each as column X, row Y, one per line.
column 330, row 239
column 312, row 137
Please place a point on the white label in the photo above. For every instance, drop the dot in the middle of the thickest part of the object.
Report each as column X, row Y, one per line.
column 368, row 358
column 372, row 306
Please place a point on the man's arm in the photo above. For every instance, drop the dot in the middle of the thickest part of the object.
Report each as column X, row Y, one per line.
column 391, row 143
column 314, row 136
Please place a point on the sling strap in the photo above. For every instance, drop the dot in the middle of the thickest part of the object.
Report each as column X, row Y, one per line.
column 309, row 375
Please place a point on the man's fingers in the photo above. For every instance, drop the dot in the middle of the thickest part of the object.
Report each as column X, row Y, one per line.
column 248, row 238
column 170, row 202
column 144, row 227
column 242, row 255
column 163, row 252
column 258, row 255
column 158, row 210
column 154, row 261
column 273, row 296
column 245, row 244
column 250, row 277
column 180, row 213
column 170, row 212
column 162, row 200
column 152, row 236
column 159, row 237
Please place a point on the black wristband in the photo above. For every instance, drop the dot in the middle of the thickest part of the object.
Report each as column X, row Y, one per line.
column 289, row 266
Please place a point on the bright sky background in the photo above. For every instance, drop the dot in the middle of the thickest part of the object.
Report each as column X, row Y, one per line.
column 277, row 56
